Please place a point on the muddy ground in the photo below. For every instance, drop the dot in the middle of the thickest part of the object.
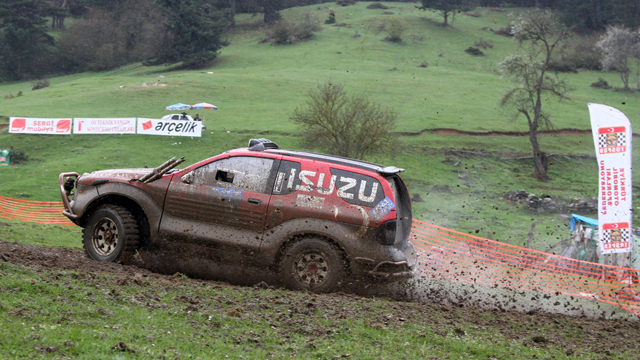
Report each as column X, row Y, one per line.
column 602, row 336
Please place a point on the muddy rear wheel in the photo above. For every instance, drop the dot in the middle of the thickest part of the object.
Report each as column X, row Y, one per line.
column 312, row 264
column 110, row 231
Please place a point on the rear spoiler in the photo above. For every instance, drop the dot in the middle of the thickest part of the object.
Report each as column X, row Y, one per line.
column 390, row 170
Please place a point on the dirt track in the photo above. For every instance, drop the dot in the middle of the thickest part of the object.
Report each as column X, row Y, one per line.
column 605, row 337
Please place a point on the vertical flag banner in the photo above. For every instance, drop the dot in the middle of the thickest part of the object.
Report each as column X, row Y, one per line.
column 612, row 137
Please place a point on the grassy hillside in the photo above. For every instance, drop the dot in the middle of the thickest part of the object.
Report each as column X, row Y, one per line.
column 257, row 86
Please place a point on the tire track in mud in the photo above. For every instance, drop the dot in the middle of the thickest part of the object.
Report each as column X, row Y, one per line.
column 443, row 317
column 166, row 263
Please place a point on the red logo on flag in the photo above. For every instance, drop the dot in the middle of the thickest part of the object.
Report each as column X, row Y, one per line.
column 611, row 226
column 614, row 129
column 147, row 125
column 18, row 125
column 63, row 126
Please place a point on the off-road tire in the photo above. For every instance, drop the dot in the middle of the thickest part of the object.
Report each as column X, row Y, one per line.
column 110, row 231
column 312, row 264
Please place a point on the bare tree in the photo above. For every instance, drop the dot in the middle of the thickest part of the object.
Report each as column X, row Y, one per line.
column 543, row 33
column 349, row 126
column 618, row 45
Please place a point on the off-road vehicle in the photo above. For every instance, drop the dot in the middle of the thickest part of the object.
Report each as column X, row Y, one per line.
column 316, row 219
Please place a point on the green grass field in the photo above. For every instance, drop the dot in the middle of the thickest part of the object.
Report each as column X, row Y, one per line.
column 258, row 85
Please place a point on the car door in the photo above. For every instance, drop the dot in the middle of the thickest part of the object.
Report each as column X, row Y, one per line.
column 222, row 203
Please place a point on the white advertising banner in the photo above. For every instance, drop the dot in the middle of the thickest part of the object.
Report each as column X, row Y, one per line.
column 104, row 126
column 612, row 137
column 169, row 127
column 39, row 126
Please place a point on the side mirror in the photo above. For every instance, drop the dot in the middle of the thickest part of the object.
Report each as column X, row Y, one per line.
column 187, row 178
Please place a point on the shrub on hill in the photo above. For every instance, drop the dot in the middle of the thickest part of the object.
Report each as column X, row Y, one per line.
column 346, row 2
column 474, row 51
column 40, row 84
column 483, row 44
column 601, row 84
column 394, row 27
column 505, row 31
column 289, row 32
column 562, row 65
column 343, row 125
column 377, row 5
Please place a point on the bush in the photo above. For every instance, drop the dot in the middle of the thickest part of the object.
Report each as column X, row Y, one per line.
column 484, row 44
column 288, row 32
column 424, row 64
column 583, row 53
column 475, row 14
column 601, row 84
column 562, row 65
column 505, row 31
column 345, row 2
column 18, row 157
column 349, row 126
column 40, row 84
column 377, row 5
column 8, row 96
column 394, row 27
column 332, row 17
column 474, row 51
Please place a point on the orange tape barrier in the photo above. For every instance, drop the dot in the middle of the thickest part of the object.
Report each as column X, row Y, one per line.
column 453, row 256
column 42, row 212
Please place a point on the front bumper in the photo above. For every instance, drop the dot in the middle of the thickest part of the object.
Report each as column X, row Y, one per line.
column 68, row 212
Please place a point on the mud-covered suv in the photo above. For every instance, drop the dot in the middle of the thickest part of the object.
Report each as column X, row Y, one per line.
column 317, row 219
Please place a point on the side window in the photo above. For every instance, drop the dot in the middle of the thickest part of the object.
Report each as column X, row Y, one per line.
column 244, row 173
column 175, row 117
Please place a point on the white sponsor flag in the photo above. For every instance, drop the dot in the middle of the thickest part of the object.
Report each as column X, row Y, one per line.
column 104, row 126
column 39, row 126
column 169, row 127
column 612, row 137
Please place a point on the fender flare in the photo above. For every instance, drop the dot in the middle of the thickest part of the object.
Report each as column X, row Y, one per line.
column 151, row 209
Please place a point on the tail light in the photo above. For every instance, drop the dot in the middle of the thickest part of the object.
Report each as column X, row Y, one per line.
column 386, row 234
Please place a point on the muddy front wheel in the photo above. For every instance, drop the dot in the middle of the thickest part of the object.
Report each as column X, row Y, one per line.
column 312, row 264
column 110, row 231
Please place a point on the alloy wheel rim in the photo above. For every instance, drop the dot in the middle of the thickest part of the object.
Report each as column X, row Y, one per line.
column 311, row 268
column 105, row 237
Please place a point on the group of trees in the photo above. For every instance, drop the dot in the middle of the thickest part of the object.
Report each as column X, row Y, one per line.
column 588, row 14
column 110, row 33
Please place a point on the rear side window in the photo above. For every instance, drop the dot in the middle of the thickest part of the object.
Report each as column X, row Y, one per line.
column 239, row 173
column 357, row 189
column 354, row 188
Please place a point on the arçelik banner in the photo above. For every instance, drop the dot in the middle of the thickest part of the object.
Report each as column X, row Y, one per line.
column 612, row 137
column 169, row 127
column 104, row 125
column 39, row 126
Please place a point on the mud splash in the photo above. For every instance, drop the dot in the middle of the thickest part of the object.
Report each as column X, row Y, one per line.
column 162, row 264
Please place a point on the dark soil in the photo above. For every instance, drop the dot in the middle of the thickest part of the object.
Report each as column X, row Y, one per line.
column 604, row 337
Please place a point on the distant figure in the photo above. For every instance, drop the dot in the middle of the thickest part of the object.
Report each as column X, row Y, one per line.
column 184, row 116
column 197, row 118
